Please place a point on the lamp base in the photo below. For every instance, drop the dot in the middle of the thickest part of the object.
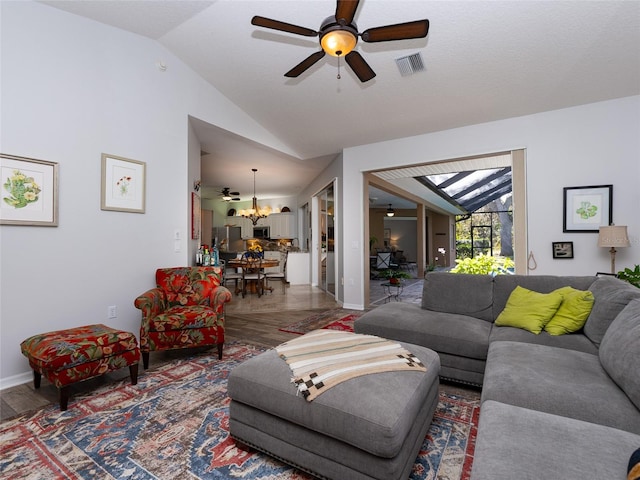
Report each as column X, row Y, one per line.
column 613, row 260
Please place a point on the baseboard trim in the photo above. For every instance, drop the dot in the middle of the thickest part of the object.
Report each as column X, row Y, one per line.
column 15, row 380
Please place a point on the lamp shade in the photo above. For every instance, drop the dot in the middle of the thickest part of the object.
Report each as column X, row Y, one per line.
column 338, row 42
column 613, row 236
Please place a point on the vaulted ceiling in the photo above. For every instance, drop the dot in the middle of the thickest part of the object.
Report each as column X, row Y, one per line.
column 484, row 61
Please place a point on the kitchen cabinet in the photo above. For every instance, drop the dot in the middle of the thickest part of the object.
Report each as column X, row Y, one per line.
column 282, row 225
column 246, row 227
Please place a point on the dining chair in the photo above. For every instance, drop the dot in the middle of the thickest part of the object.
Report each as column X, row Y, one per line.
column 383, row 260
column 252, row 272
column 230, row 273
column 281, row 274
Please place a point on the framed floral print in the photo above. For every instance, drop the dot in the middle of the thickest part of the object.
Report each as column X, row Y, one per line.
column 196, row 216
column 123, row 184
column 586, row 209
column 29, row 191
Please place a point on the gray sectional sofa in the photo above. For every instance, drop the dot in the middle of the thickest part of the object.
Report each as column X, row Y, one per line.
column 565, row 406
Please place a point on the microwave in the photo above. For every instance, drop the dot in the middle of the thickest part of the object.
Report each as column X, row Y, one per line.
column 261, row 232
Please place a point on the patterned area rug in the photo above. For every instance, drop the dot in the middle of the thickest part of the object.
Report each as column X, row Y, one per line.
column 174, row 425
column 322, row 320
column 344, row 324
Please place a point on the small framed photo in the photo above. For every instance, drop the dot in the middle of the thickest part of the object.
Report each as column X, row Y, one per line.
column 123, row 184
column 29, row 191
column 562, row 250
column 586, row 209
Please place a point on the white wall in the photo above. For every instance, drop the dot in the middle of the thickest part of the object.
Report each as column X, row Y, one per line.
column 332, row 173
column 72, row 89
column 592, row 144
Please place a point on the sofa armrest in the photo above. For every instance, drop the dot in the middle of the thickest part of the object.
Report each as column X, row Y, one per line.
column 219, row 296
column 151, row 303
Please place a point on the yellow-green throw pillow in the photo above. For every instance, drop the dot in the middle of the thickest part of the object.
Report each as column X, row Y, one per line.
column 573, row 312
column 528, row 309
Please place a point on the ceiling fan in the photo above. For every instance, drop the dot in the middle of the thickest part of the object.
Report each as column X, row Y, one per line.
column 229, row 196
column 339, row 35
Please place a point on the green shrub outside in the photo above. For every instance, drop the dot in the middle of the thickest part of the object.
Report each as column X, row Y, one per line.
column 484, row 265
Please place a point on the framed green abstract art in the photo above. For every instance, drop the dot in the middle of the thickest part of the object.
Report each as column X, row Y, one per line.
column 586, row 209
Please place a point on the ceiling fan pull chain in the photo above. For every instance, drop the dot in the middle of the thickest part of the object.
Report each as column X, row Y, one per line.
column 338, row 77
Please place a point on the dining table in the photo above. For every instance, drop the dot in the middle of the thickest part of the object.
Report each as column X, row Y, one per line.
column 257, row 263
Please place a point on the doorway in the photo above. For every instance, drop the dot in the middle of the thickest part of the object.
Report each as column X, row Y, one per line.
column 326, row 227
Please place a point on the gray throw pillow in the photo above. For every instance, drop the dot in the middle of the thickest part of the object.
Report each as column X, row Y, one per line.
column 620, row 351
column 610, row 295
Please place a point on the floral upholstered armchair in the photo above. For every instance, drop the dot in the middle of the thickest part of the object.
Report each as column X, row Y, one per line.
column 186, row 309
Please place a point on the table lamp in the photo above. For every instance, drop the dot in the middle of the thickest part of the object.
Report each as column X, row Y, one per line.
column 613, row 236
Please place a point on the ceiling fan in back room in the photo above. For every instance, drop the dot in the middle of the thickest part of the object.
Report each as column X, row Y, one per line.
column 229, row 196
column 339, row 35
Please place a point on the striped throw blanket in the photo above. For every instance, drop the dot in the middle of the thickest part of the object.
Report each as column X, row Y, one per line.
column 322, row 359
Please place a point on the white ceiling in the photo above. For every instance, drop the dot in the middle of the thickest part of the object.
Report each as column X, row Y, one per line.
column 485, row 61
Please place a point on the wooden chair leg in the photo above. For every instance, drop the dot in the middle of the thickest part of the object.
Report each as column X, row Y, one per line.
column 220, row 350
column 145, row 360
column 133, row 373
column 36, row 379
column 64, row 398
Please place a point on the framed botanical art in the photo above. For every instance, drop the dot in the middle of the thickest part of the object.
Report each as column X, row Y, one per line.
column 586, row 209
column 29, row 191
column 123, row 184
column 196, row 216
column 562, row 250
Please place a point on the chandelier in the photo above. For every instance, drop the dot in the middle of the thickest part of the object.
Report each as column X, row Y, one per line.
column 254, row 213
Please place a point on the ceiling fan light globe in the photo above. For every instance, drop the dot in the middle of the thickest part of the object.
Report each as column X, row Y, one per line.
column 338, row 42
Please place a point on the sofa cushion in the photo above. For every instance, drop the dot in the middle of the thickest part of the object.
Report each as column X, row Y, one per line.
column 503, row 285
column 572, row 341
column 459, row 293
column 443, row 332
column 529, row 310
column 517, row 443
column 573, row 312
column 188, row 285
column 620, row 351
column 558, row 381
column 611, row 295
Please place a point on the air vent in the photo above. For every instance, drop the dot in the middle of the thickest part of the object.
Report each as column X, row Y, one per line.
column 410, row 64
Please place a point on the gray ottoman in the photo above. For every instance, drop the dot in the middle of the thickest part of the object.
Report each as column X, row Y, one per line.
column 370, row 427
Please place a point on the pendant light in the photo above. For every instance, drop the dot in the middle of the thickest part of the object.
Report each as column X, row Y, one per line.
column 390, row 211
column 254, row 212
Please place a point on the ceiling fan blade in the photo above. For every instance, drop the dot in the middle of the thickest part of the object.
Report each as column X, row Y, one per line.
column 400, row 31
column 282, row 26
column 346, row 9
column 305, row 64
column 359, row 66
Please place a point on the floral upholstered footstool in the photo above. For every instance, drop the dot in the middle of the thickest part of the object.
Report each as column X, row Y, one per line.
column 68, row 356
